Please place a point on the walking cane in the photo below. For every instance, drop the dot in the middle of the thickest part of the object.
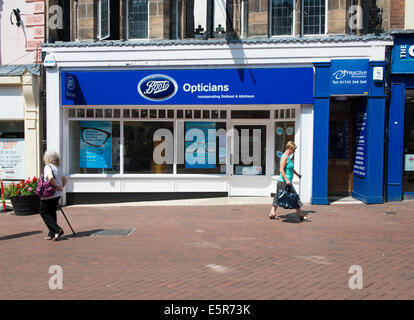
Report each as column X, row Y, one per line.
column 66, row 219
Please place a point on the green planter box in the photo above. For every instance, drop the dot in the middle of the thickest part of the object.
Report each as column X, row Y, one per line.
column 25, row 205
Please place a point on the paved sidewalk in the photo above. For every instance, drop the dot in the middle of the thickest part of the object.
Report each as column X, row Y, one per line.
column 213, row 252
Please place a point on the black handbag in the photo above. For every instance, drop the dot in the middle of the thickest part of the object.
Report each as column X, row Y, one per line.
column 287, row 199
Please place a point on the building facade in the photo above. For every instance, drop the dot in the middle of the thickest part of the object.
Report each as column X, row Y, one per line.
column 22, row 33
column 164, row 99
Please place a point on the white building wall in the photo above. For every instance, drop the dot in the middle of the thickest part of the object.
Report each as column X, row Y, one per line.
column 409, row 14
column 11, row 103
column 306, row 123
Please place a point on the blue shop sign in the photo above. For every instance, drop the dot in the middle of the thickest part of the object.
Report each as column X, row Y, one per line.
column 188, row 87
column 403, row 55
column 349, row 77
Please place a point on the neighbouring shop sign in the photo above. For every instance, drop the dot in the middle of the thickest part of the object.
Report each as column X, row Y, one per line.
column 188, row 87
column 12, row 159
column 403, row 55
column 349, row 77
column 95, row 144
column 361, row 145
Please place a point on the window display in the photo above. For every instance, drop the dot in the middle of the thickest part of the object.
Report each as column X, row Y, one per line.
column 204, row 148
column 94, row 147
column 284, row 132
column 139, row 147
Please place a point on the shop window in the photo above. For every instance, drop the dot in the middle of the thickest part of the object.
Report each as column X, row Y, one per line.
column 72, row 113
column 144, row 113
column 250, row 114
column 284, row 132
column 117, row 113
column 12, row 150
column 188, row 114
column 135, row 113
column 180, row 114
column 80, row 113
column 408, row 147
column 108, row 113
column 313, row 15
column 94, row 147
column 206, row 114
column 282, row 16
column 153, row 113
column 89, row 113
column 99, row 113
column 127, row 113
column 170, row 114
column 161, row 114
column 139, row 146
column 197, row 114
column 249, row 146
column 137, row 19
column 204, row 148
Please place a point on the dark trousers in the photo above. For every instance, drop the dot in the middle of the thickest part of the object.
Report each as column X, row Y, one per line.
column 48, row 213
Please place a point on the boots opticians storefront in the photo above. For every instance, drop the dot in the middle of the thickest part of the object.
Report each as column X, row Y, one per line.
column 183, row 119
column 179, row 133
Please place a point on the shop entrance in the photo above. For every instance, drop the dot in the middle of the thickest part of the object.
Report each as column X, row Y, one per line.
column 247, row 160
column 408, row 147
column 342, row 140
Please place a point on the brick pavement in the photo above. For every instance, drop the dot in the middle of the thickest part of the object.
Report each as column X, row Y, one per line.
column 213, row 252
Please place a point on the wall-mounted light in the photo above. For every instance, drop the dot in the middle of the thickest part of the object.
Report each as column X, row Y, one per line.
column 16, row 12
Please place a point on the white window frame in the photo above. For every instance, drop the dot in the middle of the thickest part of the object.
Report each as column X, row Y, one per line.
column 244, row 23
column 100, row 35
column 326, row 22
column 293, row 21
column 127, row 23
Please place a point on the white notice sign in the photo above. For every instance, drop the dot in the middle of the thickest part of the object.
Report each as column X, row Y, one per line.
column 12, row 159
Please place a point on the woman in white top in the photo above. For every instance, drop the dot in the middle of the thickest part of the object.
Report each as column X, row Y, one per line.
column 52, row 172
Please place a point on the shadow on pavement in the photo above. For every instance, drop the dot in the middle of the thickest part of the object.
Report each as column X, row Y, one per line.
column 20, row 235
column 294, row 218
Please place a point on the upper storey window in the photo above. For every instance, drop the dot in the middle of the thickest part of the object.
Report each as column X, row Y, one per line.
column 103, row 19
column 137, row 13
column 208, row 19
column 282, row 17
column 314, row 17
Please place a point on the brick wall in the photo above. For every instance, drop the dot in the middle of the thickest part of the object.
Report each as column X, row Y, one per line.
column 337, row 16
column 87, row 22
column 258, row 18
column 156, row 19
column 397, row 14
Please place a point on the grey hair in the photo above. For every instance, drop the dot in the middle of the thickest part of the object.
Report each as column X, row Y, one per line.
column 52, row 157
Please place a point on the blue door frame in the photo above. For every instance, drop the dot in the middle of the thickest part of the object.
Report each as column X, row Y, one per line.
column 368, row 189
column 399, row 83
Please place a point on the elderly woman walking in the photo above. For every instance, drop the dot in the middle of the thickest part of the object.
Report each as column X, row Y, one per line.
column 285, row 180
column 53, row 173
